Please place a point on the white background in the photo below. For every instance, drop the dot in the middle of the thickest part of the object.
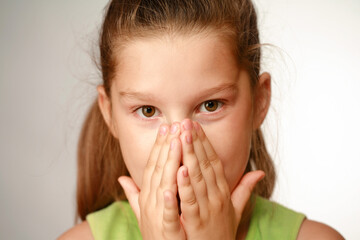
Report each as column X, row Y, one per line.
column 47, row 82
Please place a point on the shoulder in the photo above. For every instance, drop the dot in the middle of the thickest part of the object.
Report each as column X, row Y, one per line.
column 273, row 220
column 79, row 231
column 315, row 230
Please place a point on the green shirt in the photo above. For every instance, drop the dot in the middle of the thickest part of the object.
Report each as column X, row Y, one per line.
column 269, row 220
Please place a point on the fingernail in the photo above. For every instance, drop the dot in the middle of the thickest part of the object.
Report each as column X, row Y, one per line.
column 185, row 172
column 189, row 138
column 187, row 124
column 167, row 197
column 163, row 130
column 174, row 128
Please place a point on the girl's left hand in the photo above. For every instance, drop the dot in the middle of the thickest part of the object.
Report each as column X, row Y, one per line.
column 209, row 210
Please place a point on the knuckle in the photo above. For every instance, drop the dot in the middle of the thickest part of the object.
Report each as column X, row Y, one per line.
column 198, row 224
column 150, row 164
column 223, row 188
column 198, row 177
column 162, row 183
column 218, row 204
column 226, row 192
column 192, row 202
column 158, row 168
column 169, row 218
column 212, row 157
column 205, row 163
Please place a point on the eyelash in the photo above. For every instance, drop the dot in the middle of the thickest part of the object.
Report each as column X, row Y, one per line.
column 221, row 103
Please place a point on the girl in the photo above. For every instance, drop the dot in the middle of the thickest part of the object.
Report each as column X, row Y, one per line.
column 178, row 118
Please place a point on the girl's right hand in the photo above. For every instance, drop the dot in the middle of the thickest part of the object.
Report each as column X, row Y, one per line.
column 155, row 206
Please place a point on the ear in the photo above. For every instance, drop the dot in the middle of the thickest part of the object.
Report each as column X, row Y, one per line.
column 262, row 99
column 105, row 108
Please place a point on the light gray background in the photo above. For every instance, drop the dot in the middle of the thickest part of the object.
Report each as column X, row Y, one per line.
column 47, row 82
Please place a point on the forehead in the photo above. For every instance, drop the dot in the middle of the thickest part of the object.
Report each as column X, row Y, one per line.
column 175, row 63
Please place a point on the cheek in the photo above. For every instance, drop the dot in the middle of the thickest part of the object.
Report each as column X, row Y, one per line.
column 231, row 141
column 136, row 145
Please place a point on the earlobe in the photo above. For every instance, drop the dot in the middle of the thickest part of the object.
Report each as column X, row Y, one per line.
column 105, row 108
column 262, row 99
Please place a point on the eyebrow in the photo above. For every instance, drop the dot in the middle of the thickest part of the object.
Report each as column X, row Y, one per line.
column 206, row 93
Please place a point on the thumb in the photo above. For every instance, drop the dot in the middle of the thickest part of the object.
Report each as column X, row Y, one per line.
column 243, row 190
column 132, row 194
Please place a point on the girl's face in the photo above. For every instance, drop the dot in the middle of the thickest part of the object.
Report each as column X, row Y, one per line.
column 169, row 79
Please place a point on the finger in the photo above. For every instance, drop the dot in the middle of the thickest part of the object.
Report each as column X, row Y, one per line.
column 189, row 206
column 161, row 137
column 212, row 158
column 192, row 163
column 132, row 194
column 162, row 157
column 168, row 180
column 243, row 190
column 205, row 165
column 171, row 220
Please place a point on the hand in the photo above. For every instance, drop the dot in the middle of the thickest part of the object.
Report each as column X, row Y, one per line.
column 155, row 206
column 209, row 210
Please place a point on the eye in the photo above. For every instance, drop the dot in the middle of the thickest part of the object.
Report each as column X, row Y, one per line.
column 147, row 111
column 210, row 106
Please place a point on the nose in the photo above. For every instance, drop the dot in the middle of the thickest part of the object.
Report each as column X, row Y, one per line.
column 185, row 124
column 180, row 118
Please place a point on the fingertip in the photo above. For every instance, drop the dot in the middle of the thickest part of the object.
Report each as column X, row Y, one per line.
column 168, row 197
column 163, row 129
column 183, row 175
column 175, row 128
column 170, row 203
column 186, row 124
column 121, row 180
column 259, row 175
column 124, row 184
column 128, row 184
column 183, row 171
column 253, row 178
column 263, row 174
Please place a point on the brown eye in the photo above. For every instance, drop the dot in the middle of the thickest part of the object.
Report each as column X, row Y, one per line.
column 211, row 106
column 148, row 111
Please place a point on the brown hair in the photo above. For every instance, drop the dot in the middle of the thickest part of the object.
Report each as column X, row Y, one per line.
column 100, row 161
